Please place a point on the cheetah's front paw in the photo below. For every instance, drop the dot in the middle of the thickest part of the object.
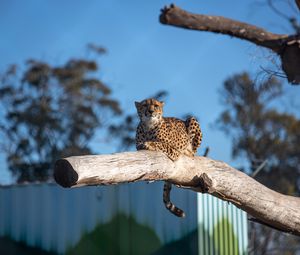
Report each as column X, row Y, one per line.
column 141, row 147
column 149, row 146
column 146, row 146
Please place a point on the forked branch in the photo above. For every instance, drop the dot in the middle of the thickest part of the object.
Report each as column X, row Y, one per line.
column 199, row 174
column 286, row 46
column 175, row 16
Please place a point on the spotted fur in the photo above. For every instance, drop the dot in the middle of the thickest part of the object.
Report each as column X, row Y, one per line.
column 171, row 136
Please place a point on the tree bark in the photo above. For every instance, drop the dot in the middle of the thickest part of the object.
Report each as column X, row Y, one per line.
column 298, row 3
column 199, row 174
column 286, row 46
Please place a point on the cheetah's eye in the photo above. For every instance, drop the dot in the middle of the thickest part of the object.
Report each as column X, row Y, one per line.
column 156, row 106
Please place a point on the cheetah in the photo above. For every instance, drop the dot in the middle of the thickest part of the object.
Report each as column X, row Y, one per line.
column 172, row 136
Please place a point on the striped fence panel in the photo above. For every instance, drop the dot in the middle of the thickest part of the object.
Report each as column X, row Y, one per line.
column 222, row 227
column 55, row 219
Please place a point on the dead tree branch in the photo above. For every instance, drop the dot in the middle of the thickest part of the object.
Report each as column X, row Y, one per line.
column 286, row 46
column 298, row 3
column 199, row 174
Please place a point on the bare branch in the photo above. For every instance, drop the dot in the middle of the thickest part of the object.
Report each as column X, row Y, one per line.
column 261, row 166
column 286, row 46
column 298, row 3
column 175, row 16
column 207, row 149
column 199, row 174
column 278, row 12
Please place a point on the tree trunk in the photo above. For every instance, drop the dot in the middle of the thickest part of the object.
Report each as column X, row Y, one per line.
column 200, row 174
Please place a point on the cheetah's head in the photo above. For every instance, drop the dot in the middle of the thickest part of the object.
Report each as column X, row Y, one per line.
column 150, row 110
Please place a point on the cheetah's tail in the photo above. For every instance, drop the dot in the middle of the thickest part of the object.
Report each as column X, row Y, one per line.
column 169, row 205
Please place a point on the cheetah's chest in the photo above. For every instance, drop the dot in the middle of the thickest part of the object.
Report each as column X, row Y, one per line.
column 153, row 134
column 166, row 132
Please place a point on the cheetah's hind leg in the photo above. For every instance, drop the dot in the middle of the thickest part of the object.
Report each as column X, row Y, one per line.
column 194, row 131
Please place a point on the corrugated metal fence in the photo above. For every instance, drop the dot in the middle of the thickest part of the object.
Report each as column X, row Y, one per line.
column 222, row 227
column 56, row 219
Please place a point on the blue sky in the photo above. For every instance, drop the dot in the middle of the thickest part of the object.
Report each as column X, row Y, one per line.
column 144, row 56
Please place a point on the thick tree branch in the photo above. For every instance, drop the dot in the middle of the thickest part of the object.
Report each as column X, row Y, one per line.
column 175, row 16
column 286, row 46
column 298, row 3
column 200, row 174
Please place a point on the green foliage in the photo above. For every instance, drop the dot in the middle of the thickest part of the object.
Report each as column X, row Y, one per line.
column 122, row 235
column 222, row 241
column 261, row 132
column 225, row 240
column 51, row 112
column 186, row 245
column 10, row 246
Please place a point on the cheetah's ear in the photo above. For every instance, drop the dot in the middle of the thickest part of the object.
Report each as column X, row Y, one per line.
column 137, row 104
column 162, row 103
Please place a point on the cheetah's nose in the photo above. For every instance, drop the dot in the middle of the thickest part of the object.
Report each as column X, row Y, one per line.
column 151, row 111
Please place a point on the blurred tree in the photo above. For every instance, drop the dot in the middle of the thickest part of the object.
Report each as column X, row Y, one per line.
column 51, row 112
column 261, row 133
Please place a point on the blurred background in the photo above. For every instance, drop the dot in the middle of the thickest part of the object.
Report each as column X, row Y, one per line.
column 70, row 72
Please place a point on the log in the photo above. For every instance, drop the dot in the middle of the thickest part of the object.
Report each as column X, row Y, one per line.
column 200, row 174
column 286, row 46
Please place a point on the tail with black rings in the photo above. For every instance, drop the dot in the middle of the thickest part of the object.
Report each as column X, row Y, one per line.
column 169, row 205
